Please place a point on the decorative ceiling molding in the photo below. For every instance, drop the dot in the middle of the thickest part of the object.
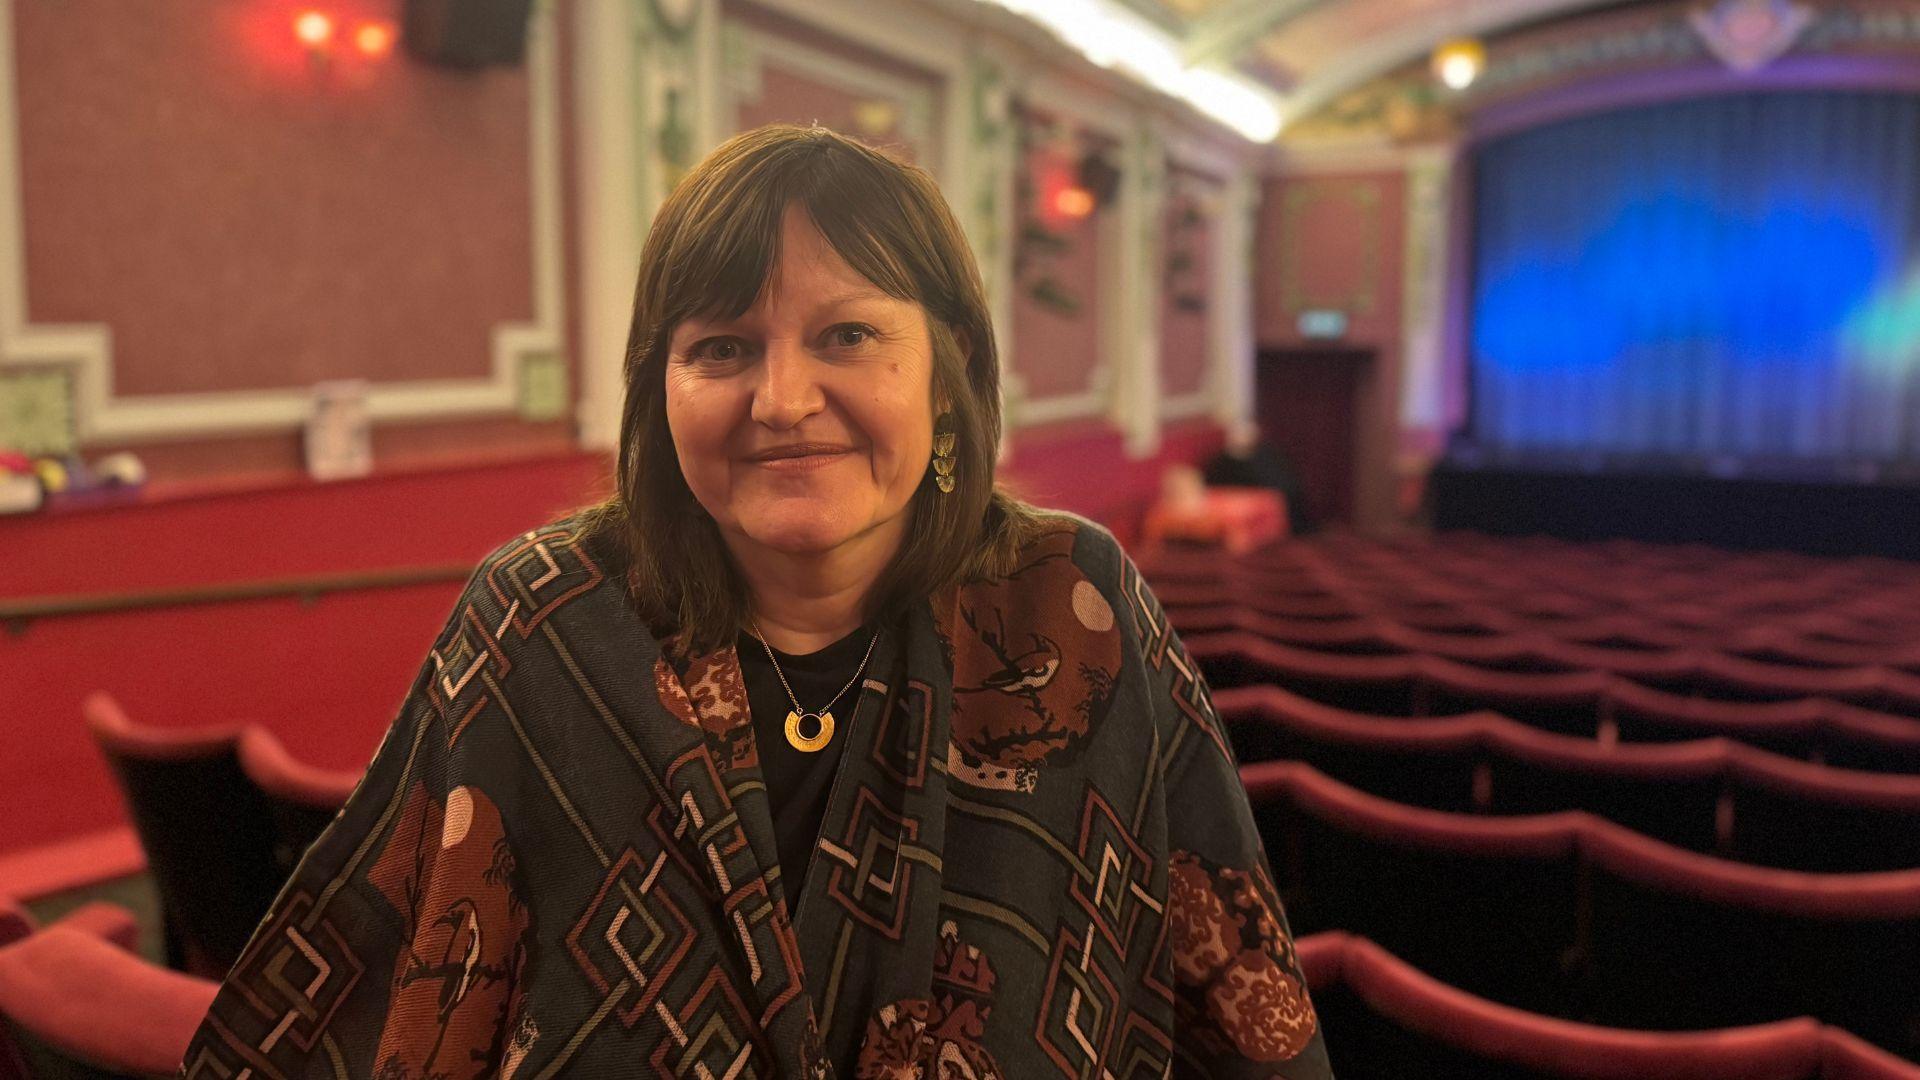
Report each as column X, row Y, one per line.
column 1646, row 53
column 1224, row 34
column 1418, row 38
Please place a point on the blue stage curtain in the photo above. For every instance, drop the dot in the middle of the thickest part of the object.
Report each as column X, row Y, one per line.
column 1732, row 278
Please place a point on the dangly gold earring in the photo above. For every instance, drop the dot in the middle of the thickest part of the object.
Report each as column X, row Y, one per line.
column 943, row 459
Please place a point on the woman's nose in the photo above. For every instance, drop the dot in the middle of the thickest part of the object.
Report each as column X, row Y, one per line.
column 789, row 389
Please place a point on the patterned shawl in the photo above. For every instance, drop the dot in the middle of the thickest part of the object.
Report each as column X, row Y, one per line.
column 1036, row 859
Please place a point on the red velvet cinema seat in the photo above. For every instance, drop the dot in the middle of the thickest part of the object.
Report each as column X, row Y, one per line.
column 1383, row 685
column 1639, row 713
column 1683, row 941
column 1487, row 905
column 1801, row 816
column 1385, row 1020
column 206, row 829
column 1669, row 791
column 1431, row 763
column 78, row 1006
column 1567, row 702
column 1856, row 738
column 302, row 798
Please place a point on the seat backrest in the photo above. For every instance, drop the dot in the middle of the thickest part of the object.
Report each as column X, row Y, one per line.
column 1383, row 1019
column 77, row 1006
column 206, row 829
column 1486, row 905
column 302, row 799
column 1822, row 819
column 1681, row 941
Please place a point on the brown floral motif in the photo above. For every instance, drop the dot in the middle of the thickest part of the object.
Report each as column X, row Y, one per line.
column 709, row 693
column 937, row 1038
column 1262, row 1008
column 1035, row 657
column 1204, row 933
column 1238, row 979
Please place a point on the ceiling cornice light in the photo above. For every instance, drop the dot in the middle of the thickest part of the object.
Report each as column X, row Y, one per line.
column 1113, row 37
column 1458, row 63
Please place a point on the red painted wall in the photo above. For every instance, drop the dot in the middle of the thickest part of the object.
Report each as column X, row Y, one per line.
column 242, row 221
column 1055, row 353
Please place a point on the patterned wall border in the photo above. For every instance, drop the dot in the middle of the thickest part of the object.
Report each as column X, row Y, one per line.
column 1118, row 345
column 749, row 51
column 87, row 348
column 1225, row 393
column 1310, row 195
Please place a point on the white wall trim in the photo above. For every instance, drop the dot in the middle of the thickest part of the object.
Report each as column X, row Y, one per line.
column 101, row 416
column 1131, row 311
column 1044, row 90
column 906, row 32
column 1428, row 246
column 759, row 49
column 1090, row 403
column 1187, row 406
column 1231, row 384
column 608, row 209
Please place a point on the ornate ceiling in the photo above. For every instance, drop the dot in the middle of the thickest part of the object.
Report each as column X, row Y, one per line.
column 1312, row 51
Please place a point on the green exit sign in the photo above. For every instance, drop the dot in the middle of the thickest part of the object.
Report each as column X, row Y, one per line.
column 1323, row 323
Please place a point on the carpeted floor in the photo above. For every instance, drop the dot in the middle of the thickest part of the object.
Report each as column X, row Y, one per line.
column 135, row 893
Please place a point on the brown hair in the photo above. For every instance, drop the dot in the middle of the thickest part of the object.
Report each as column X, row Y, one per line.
column 708, row 254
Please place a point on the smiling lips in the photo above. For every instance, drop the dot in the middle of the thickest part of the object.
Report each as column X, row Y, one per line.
column 801, row 456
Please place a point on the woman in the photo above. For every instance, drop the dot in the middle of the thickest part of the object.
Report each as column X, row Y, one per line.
column 811, row 753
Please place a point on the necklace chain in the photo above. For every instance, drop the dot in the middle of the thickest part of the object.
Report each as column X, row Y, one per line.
column 789, row 689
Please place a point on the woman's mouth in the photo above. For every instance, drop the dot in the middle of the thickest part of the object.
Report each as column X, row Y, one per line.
column 801, row 459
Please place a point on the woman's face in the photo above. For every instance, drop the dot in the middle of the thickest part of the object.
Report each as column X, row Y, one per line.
column 825, row 364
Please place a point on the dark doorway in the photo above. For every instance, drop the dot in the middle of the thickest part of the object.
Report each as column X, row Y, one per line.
column 1309, row 407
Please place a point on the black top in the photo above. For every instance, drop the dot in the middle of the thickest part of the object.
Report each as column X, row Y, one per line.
column 798, row 782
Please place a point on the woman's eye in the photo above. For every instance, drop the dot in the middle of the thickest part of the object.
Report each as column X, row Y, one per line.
column 850, row 335
column 722, row 349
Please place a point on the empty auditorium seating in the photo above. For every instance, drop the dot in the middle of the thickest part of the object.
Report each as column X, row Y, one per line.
column 1705, row 795
column 1489, row 906
column 302, row 799
column 1681, row 940
column 1386, row 1020
column 75, row 1004
column 1580, row 918
column 206, row 828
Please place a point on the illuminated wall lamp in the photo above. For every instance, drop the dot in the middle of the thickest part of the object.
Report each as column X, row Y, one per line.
column 314, row 31
column 1073, row 201
column 317, row 34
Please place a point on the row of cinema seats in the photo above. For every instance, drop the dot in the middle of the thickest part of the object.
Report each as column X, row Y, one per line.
column 1574, row 917
column 1483, row 584
column 1395, row 624
column 1754, row 661
column 1462, row 565
column 76, row 1002
column 1589, row 704
column 1712, row 796
column 1651, row 788
column 1385, row 1020
column 223, row 816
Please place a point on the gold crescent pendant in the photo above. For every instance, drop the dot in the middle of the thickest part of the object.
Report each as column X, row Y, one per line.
column 820, row 738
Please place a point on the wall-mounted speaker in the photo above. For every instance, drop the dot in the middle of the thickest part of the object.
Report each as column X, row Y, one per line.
column 466, row 33
column 1100, row 176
